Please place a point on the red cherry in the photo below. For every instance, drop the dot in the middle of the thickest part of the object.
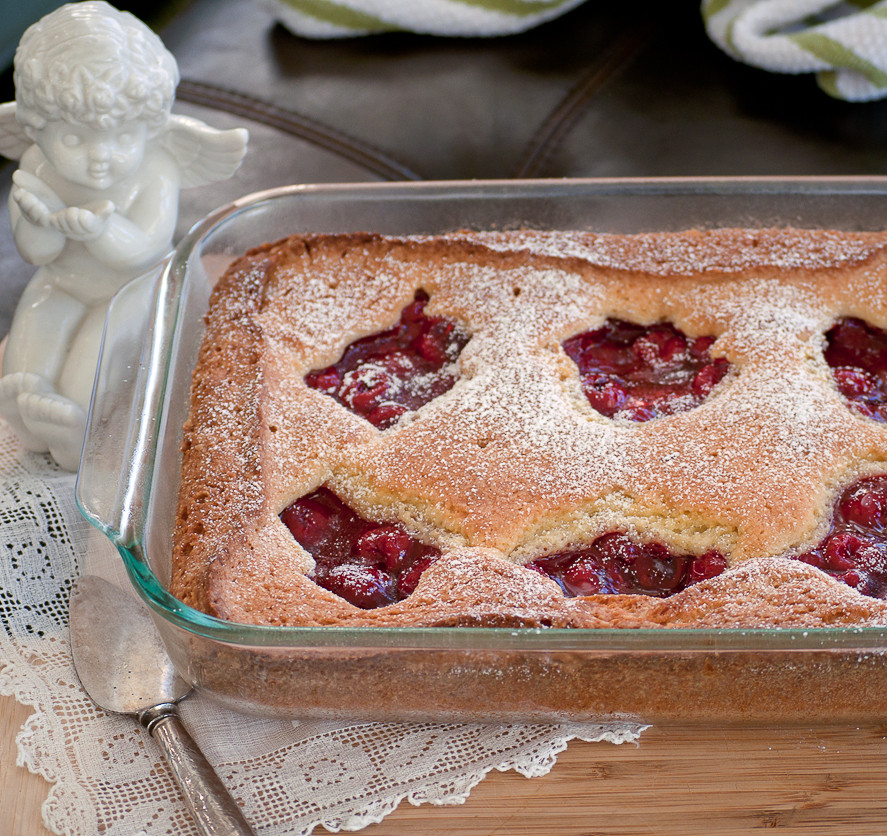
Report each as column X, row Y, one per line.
column 309, row 521
column 855, row 549
column 415, row 311
column 657, row 571
column 708, row 377
column 852, row 578
column 608, row 358
column 374, row 375
column 386, row 415
column 614, row 563
column 434, row 343
column 842, row 551
column 857, row 354
column 866, row 410
column 409, row 580
column 605, row 394
column 853, row 383
column 813, row 557
column 388, row 546
column 642, row 372
column 659, row 346
column 707, row 565
column 700, row 347
column 364, row 390
column 865, row 503
column 852, row 342
column 364, row 586
column 617, row 553
column 620, row 332
column 582, row 577
column 639, row 411
column 326, row 380
column 616, row 546
column 363, row 561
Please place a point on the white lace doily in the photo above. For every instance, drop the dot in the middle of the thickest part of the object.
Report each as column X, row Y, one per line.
column 107, row 774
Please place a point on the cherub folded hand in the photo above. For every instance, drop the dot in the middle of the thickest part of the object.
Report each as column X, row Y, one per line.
column 42, row 207
column 34, row 198
column 83, row 223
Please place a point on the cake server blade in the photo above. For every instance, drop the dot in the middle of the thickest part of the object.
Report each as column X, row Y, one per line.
column 124, row 667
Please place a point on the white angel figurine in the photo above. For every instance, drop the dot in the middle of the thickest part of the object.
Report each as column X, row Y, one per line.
column 93, row 203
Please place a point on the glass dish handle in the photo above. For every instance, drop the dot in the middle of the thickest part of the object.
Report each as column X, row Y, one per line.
column 115, row 472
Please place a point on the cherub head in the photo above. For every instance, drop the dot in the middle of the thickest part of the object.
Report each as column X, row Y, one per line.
column 89, row 64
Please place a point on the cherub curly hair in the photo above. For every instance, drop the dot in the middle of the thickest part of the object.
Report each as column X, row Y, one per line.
column 89, row 63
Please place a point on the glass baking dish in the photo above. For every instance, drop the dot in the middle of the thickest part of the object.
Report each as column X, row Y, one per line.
column 128, row 483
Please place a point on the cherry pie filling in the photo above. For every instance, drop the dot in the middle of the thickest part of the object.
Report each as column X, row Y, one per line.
column 857, row 354
column 855, row 549
column 614, row 563
column 641, row 372
column 368, row 564
column 373, row 564
column 384, row 375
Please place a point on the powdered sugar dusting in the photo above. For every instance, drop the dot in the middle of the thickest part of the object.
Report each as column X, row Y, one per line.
column 513, row 459
column 696, row 253
column 514, row 445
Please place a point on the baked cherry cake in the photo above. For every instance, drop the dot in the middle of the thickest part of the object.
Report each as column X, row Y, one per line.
column 542, row 429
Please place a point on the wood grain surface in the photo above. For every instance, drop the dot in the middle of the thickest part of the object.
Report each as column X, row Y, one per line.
column 678, row 780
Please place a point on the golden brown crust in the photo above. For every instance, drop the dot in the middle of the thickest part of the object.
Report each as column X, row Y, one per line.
column 513, row 462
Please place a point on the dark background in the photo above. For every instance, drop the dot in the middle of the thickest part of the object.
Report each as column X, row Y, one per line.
column 603, row 91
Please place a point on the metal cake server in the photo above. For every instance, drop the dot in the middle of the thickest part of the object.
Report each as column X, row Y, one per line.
column 124, row 668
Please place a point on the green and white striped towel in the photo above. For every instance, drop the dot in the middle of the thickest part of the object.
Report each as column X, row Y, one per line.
column 461, row 18
column 843, row 41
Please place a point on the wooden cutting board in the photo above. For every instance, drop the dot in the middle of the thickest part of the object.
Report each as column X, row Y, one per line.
column 677, row 781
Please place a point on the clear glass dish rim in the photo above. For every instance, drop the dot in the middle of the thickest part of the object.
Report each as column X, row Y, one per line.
column 592, row 640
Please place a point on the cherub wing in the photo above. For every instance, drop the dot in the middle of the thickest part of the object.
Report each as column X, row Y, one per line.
column 204, row 154
column 13, row 140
